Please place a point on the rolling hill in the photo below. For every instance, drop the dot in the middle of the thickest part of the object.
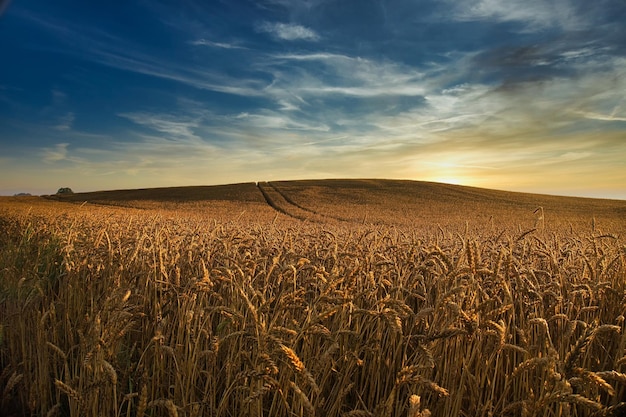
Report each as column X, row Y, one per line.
column 375, row 201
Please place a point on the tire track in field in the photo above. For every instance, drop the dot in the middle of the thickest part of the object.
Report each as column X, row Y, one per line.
column 294, row 209
column 278, row 202
column 290, row 201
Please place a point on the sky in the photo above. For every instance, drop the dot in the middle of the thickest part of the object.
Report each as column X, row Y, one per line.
column 505, row 94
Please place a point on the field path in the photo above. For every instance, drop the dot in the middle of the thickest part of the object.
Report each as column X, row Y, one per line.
column 281, row 202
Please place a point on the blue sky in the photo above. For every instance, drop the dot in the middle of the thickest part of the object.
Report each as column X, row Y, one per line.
column 516, row 95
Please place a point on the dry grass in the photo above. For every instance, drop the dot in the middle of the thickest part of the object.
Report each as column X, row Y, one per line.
column 165, row 311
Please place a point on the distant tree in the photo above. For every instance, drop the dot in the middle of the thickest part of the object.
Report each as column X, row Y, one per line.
column 65, row 190
column 21, row 195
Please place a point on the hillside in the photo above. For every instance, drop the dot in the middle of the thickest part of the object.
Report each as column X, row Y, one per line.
column 232, row 192
column 390, row 202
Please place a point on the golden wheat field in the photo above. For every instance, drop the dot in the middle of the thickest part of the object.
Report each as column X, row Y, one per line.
column 338, row 298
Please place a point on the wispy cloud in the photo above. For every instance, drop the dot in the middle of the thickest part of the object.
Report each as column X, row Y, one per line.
column 101, row 47
column 324, row 74
column 533, row 15
column 223, row 45
column 604, row 117
column 288, row 31
column 276, row 120
column 172, row 127
column 56, row 154
column 58, row 97
column 65, row 122
column 196, row 77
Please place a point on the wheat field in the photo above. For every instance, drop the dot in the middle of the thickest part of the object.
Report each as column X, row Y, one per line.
column 314, row 305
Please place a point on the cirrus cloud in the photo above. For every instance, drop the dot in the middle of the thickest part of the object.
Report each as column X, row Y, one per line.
column 288, row 31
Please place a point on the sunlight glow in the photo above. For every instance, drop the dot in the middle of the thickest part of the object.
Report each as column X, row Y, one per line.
column 450, row 180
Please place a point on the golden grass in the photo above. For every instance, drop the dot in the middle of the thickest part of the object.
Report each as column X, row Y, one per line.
column 162, row 310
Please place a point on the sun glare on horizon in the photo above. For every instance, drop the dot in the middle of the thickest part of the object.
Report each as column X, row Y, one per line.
column 450, row 180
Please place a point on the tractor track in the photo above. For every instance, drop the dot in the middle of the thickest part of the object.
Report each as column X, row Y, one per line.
column 278, row 202
column 315, row 213
column 290, row 201
column 281, row 202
